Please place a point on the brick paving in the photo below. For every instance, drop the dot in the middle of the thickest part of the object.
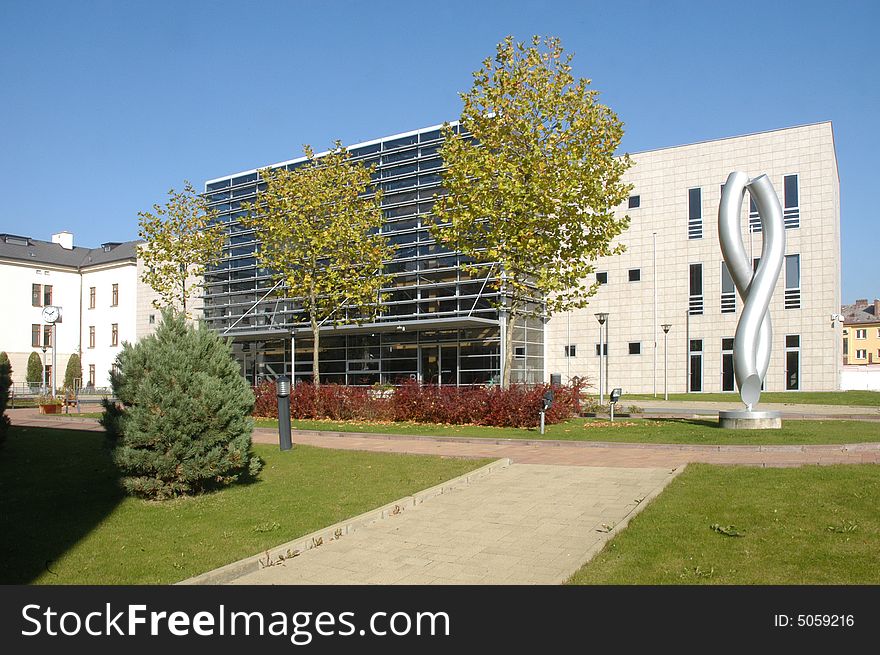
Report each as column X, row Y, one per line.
column 525, row 524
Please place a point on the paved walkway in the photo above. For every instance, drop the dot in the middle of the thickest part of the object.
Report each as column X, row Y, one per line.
column 658, row 406
column 525, row 524
column 567, row 453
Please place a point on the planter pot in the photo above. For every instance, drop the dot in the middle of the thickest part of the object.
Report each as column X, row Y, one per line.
column 50, row 409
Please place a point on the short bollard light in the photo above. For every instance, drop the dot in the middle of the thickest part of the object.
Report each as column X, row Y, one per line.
column 615, row 398
column 282, row 390
column 546, row 402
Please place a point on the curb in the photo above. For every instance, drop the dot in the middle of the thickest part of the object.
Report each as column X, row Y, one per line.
column 276, row 556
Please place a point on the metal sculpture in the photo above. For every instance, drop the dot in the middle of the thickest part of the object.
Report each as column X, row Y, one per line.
column 754, row 334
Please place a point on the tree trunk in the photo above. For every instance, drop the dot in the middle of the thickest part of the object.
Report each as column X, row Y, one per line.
column 508, row 349
column 316, row 331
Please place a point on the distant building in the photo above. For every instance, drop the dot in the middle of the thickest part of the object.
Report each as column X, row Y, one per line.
column 861, row 332
column 102, row 299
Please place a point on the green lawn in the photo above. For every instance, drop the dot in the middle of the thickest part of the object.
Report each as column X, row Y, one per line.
column 63, row 519
column 680, row 431
column 852, row 398
column 809, row 525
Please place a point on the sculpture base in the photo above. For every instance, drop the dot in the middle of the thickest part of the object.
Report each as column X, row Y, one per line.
column 745, row 420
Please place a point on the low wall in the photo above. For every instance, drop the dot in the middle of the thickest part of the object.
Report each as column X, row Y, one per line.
column 860, row 378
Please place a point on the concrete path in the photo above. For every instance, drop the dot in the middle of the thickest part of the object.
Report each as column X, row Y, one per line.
column 525, row 524
column 568, row 453
column 658, row 406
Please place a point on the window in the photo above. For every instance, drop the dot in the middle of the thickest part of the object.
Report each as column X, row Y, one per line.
column 571, row 350
column 695, row 370
column 792, row 362
column 727, row 378
column 91, row 375
column 791, row 213
column 635, row 274
column 35, row 336
column 36, row 295
column 861, row 354
column 792, row 281
column 695, row 213
column 602, row 278
column 604, row 349
column 728, row 291
column 861, row 334
column 91, row 336
column 634, row 202
column 114, row 296
column 635, row 347
column 114, row 334
column 845, row 347
column 152, row 319
column 47, row 336
column 695, row 283
column 91, row 297
column 47, row 294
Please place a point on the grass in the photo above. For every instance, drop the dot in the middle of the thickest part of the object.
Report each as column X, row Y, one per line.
column 63, row 519
column 674, row 431
column 850, row 398
column 809, row 525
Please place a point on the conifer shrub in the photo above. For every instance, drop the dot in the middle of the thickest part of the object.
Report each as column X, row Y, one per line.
column 182, row 422
column 5, row 384
column 34, row 373
column 73, row 372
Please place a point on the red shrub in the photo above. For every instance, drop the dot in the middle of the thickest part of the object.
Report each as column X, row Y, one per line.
column 517, row 406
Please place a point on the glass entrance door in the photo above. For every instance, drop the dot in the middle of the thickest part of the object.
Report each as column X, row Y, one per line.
column 449, row 365
column 430, row 364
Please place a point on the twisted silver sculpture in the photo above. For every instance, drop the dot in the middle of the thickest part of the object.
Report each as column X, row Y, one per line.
column 754, row 335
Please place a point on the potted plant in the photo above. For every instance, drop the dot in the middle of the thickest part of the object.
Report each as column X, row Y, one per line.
column 49, row 405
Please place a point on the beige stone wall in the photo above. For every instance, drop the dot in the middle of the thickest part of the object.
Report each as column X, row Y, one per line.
column 662, row 179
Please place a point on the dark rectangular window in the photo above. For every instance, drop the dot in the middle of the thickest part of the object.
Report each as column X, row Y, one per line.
column 35, row 335
column 635, row 274
column 792, row 281
column 91, row 336
column 728, row 381
column 728, row 291
column 792, row 212
column 571, row 350
column 91, row 297
column 47, row 336
column 519, row 352
column 91, row 375
column 754, row 216
column 115, row 296
column 792, row 362
column 695, row 213
column 604, row 349
column 114, row 334
column 695, row 369
column 635, row 202
column 635, row 348
column 695, row 285
column 36, row 295
column 602, row 278
column 47, row 294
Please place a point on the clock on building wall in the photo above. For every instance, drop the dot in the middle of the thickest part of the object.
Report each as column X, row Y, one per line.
column 51, row 314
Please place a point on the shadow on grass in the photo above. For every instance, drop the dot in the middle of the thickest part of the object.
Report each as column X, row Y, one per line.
column 698, row 422
column 55, row 487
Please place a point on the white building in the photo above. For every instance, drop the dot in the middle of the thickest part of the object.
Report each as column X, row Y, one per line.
column 99, row 291
column 674, row 213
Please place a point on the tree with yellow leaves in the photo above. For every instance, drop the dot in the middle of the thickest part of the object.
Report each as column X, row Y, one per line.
column 320, row 234
column 182, row 239
column 532, row 181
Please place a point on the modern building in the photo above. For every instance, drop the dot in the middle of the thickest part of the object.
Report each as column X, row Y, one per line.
column 861, row 332
column 672, row 272
column 439, row 324
column 102, row 302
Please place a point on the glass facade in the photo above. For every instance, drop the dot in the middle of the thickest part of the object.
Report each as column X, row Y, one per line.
column 438, row 324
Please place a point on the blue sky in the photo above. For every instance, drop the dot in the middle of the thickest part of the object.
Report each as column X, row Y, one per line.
column 107, row 105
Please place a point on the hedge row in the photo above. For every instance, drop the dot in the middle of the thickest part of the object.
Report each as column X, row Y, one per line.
column 517, row 406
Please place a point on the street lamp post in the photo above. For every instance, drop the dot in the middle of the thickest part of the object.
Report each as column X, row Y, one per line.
column 602, row 317
column 666, row 327
column 45, row 370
